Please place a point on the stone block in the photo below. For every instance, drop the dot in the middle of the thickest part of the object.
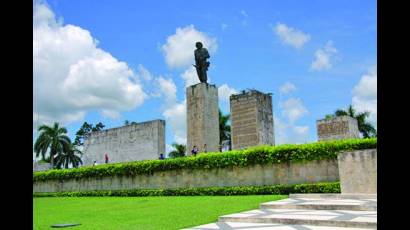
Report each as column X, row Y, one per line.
column 358, row 171
column 252, row 119
column 343, row 127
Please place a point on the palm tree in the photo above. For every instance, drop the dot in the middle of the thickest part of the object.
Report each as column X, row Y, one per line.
column 179, row 150
column 52, row 139
column 365, row 127
column 72, row 155
column 224, row 128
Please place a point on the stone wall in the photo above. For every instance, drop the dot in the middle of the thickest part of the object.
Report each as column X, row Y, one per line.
column 202, row 118
column 287, row 173
column 252, row 119
column 141, row 141
column 343, row 127
column 358, row 171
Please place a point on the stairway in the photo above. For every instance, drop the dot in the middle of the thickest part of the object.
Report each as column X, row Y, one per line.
column 306, row 212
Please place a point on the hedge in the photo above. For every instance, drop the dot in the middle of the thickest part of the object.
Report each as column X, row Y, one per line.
column 333, row 187
column 240, row 158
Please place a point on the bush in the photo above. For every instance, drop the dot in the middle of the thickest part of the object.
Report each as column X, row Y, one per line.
column 239, row 158
column 332, row 187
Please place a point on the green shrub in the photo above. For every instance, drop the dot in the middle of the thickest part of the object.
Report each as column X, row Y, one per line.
column 239, row 158
column 332, row 187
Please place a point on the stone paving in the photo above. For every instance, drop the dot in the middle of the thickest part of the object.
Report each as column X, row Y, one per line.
column 304, row 212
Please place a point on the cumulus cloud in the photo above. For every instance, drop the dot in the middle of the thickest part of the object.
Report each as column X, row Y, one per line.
column 293, row 109
column 143, row 73
column 287, row 88
column 290, row 111
column 179, row 48
column 323, row 57
column 224, row 92
column 291, row 36
column 365, row 94
column 174, row 112
column 287, row 133
column 190, row 77
column 73, row 76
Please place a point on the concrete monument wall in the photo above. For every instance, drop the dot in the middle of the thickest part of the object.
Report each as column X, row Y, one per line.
column 255, row 175
column 343, row 127
column 141, row 141
column 358, row 171
column 252, row 119
column 202, row 118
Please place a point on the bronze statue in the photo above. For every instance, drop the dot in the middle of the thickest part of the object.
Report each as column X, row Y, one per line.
column 201, row 64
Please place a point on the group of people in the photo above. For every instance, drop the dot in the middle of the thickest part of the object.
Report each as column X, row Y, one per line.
column 105, row 158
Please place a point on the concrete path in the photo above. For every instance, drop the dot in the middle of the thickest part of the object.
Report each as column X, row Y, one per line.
column 306, row 211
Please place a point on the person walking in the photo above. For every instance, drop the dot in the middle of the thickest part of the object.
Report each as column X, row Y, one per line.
column 106, row 158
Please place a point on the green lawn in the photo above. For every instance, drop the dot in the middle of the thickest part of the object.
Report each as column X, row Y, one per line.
column 170, row 212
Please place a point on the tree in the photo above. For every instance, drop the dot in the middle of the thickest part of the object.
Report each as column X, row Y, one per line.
column 71, row 156
column 179, row 150
column 224, row 127
column 365, row 127
column 85, row 130
column 52, row 139
column 127, row 122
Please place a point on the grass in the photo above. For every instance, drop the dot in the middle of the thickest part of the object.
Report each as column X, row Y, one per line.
column 122, row 213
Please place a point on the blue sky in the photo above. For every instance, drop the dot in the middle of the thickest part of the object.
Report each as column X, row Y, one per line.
column 314, row 56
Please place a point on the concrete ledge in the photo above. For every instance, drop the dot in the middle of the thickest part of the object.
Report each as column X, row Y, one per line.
column 322, row 204
column 336, row 218
column 262, row 226
column 334, row 196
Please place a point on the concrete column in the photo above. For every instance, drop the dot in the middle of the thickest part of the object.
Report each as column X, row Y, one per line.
column 202, row 118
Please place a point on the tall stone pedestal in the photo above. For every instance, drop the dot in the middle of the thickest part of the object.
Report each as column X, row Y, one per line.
column 202, row 118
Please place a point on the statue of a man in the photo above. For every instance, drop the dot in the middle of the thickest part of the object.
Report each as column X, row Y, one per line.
column 201, row 64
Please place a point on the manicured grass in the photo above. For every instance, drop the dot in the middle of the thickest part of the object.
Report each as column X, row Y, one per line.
column 166, row 212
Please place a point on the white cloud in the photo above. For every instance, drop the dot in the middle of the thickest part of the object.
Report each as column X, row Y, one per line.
column 143, row 73
column 287, row 133
column 323, row 57
column 224, row 91
column 291, row 36
column 72, row 76
column 174, row 112
column 244, row 16
column 176, row 117
column 287, row 88
column 190, row 77
column 243, row 13
column 168, row 89
column 293, row 109
column 179, row 48
column 365, row 94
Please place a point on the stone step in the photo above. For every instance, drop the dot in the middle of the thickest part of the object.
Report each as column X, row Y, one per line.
column 330, row 218
column 322, row 204
column 264, row 226
column 333, row 196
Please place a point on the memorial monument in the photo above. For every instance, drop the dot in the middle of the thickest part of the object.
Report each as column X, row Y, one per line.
column 141, row 141
column 343, row 127
column 252, row 119
column 202, row 108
